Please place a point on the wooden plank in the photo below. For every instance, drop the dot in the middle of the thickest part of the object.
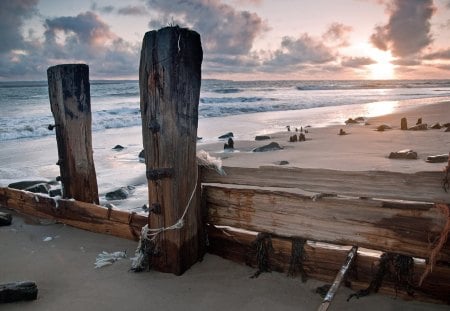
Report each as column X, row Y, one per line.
column 421, row 186
column 169, row 81
column 77, row 214
column 70, row 102
column 345, row 221
column 322, row 262
column 18, row 291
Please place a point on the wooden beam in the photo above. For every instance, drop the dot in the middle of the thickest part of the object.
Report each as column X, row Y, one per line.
column 410, row 230
column 70, row 102
column 169, row 81
column 18, row 291
column 421, row 186
column 77, row 214
column 323, row 261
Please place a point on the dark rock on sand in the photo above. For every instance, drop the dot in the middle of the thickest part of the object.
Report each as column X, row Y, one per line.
column 55, row 192
column 419, row 127
column 120, row 194
column 403, row 124
column 270, row 147
column 293, row 138
column 118, row 148
column 440, row 158
column 342, row 132
column 419, row 121
column 436, row 126
column 22, row 185
column 227, row 135
column 351, row 121
column 262, row 137
column 283, row 162
column 301, row 137
column 229, row 144
column 141, row 156
column 403, row 154
column 5, row 219
column 446, row 125
column 383, row 127
column 448, row 129
column 360, row 119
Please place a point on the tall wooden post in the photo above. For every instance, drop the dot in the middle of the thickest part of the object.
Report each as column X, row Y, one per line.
column 70, row 102
column 169, row 80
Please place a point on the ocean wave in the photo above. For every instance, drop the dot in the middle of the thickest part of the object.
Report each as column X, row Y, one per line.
column 227, row 91
column 222, row 100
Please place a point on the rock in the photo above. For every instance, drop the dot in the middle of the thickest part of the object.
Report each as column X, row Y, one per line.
column 302, row 137
column 351, row 121
column 342, row 132
column 141, row 156
column 227, row 135
column 199, row 138
column 18, row 291
column 383, row 127
column 360, row 119
column 5, row 219
column 55, row 192
column 448, row 129
column 419, row 121
column 446, row 125
column 288, row 127
column 403, row 124
column 270, row 147
column 440, row 158
column 419, row 127
column 22, row 185
column 403, row 154
column 39, row 188
column 283, row 163
column 262, row 137
column 120, row 194
column 293, row 138
column 229, row 144
column 118, row 148
column 436, row 126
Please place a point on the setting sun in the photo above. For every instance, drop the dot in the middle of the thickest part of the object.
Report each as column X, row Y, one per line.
column 383, row 68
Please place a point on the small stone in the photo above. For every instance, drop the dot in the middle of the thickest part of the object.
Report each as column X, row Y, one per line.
column 403, row 124
column 229, row 144
column 403, row 154
column 227, row 135
column 448, row 129
column 351, row 121
column 262, row 137
column 360, row 119
column 270, row 147
column 118, row 148
column 120, row 194
column 383, row 127
column 293, row 138
column 419, row 121
column 440, row 158
column 446, row 125
column 288, row 127
column 342, row 132
column 283, row 162
column 419, row 127
column 141, row 156
column 199, row 138
column 302, row 137
column 55, row 192
column 436, row 126
column 5, row 219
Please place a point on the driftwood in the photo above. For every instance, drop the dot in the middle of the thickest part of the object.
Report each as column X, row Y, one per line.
column 70, row 101
column 78, row 214
column 421, row 186
column 5, row 219
column 18, row 291
column 406, row 228
column 169, row 82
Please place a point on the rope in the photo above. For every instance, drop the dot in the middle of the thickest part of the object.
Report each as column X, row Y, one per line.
column 441, row 241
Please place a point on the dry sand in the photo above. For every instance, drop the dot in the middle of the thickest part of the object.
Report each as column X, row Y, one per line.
column 63, row 268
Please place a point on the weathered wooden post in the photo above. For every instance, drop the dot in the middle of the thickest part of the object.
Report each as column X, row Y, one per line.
column 169, row 80
column 70, row 101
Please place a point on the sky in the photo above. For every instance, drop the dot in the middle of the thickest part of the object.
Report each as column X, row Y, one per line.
column 241, row 39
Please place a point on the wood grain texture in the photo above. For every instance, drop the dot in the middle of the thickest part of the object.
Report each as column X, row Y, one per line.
column 70, row 102
column 169, row 80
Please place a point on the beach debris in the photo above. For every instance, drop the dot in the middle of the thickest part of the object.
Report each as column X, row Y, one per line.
column 106, row 259
column 47, row 239
column 351, row 121
column 298, row 256
column 141, row 156
column 445, row 180
column 120, row 194
column 419, row 127
column 440, row 158
column 403, row 154
column 262, row 137
column 229, row 144
column 204, row 159
column 323, row 290
column 288, row 127
column 270, row 147
column 383, row 127
column 227, row 135
column 18, row 291
column 403, row 124
column 448, row 129
column 199, row 138
column 293, row 138
column 5, row 219
column 436, row 126
column 118, row 148
column 55, row 192
column 302, row 137
column 446, row 124
column 283, row 162
column 262, row 248
column 23, row 185
column 419, row 121
column 342, row 132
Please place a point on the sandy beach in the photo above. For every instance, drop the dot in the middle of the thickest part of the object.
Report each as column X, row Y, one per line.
column 63, row 267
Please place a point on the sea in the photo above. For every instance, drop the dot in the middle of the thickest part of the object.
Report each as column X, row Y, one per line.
column 25, row 108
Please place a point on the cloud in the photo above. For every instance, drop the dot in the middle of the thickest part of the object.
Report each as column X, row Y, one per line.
column 12, row 16
column 408, row 29
column 224, row 29
column 441, row 54
column 133, row 10
column 407, row 62
column 102, row 9
column 338, row 34
column 356, row 62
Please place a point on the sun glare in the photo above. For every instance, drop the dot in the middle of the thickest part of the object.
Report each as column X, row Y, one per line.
column 383, row 68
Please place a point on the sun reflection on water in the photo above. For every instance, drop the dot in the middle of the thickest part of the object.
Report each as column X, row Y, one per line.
column 381, row 108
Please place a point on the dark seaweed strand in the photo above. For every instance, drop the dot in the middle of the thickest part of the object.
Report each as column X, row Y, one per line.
column 376, row 282
column 404, row 273
column 298, row 256
column 261, row 247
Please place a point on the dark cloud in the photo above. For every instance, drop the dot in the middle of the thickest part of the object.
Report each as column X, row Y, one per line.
column 407, row 62
column 224, row 29
column 102, row 9
column 408, row 29
column 442, row 54
column 338, row 34
column 133, row 10
column 356, row 62
column 12, row 16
